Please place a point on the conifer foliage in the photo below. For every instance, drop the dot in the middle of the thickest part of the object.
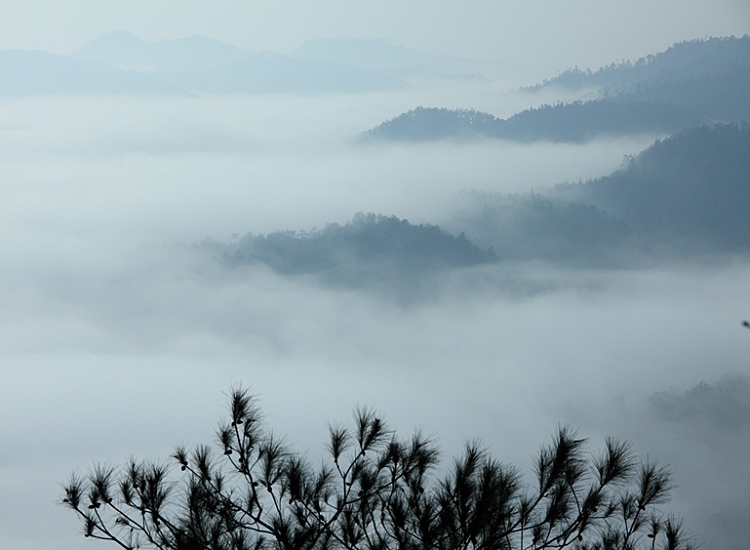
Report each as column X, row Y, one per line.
column 375, row 491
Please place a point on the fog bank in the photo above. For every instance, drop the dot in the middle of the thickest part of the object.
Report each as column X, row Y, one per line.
column 119, row 337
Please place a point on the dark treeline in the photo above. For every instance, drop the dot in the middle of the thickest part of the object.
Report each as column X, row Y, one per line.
column 367, row 249
column 431, row 123
column 565, row 122
column 694, row 59
column 700, row 82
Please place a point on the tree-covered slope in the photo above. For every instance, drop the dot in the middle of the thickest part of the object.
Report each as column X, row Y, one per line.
column 431, row 123
column 694, row 59
column 692, row 188
column 701, row 82
column 536, row 227
column 569, row 122
column 685, row 195
column 367, row 249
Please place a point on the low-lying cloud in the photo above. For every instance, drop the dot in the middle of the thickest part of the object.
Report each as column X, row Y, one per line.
column 119, row 337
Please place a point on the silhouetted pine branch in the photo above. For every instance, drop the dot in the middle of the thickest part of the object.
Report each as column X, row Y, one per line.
column 376, row 491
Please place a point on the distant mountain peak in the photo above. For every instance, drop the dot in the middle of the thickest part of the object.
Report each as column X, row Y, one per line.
column 111, row 40
column 118, row 49
column 123, row 50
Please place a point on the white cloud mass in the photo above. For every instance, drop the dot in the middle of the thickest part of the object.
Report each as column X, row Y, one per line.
column 119, row 337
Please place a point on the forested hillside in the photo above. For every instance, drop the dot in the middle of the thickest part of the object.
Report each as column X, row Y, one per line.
column 691, row 189
column 685, row 195
column 699, row 82
column 367, row 249
column 563, row 122
column 694, row 59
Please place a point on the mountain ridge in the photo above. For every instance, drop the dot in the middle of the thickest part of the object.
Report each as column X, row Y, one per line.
column 678, row 97
column 683, row 198
column 199, row 65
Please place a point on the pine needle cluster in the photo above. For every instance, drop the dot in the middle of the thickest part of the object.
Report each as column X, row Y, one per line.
column 375, row 491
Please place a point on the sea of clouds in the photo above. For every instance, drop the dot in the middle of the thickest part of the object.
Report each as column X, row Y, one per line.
column 120, row 337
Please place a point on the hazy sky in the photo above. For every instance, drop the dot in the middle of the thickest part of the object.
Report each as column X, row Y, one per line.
column 540, row 36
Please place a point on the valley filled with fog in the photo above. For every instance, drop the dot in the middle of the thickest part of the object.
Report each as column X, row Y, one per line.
column 123, row 328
